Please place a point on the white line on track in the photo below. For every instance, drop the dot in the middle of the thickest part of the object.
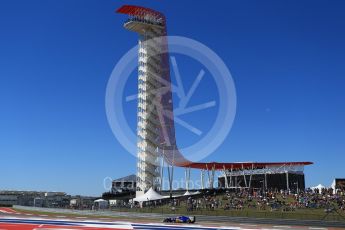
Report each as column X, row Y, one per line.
column 315, row 228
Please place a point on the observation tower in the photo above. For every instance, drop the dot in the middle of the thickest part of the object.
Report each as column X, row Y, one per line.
column 153, row 90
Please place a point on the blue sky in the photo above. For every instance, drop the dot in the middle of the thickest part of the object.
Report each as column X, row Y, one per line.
column 287, row 59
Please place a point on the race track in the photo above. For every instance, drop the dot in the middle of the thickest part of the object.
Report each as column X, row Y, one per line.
column 41, row 224
column 13, row 220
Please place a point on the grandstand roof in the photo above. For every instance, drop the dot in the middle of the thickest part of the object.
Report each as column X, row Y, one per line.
column 242, row 165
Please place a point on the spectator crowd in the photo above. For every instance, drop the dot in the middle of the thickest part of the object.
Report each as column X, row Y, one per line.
column 270, row 200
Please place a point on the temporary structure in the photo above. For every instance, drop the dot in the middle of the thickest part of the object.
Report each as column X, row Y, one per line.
column 187, row 193
column 319, row 187
column 149, row 196
column 101, row 204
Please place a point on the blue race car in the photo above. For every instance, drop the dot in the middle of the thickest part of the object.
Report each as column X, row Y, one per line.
column 180, row 219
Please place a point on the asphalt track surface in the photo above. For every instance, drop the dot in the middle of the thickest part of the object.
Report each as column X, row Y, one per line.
column 10, row 219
